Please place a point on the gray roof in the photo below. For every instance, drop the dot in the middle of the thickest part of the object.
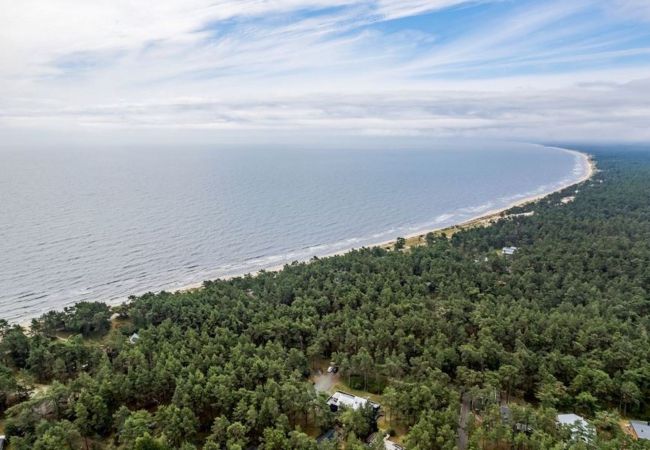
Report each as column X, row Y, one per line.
column 390, row 445
column 642, row 429
column 571, row 419
column 580, row 428
column 349, row 401
column 509, row 250
column 505, row 413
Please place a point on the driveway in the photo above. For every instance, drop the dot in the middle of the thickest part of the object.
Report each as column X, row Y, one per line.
column 462, row 422
column 324, row 382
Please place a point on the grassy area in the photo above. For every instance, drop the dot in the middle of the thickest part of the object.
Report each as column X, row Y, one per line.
column 400, row 430
column 311, row 430
column 627, row 429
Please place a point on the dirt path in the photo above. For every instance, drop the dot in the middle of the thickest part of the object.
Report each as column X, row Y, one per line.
column 462, row 422
column 324, row 382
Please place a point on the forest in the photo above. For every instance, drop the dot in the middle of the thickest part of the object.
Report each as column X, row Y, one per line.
column 560, row 326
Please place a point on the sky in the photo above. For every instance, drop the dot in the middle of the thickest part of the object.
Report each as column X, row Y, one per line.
column 209, row 71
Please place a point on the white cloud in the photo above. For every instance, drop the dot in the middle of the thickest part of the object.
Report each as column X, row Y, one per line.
column 42, row 30
column 391, row 9
column 261, row 66
column 596, row 111
column 637, row 9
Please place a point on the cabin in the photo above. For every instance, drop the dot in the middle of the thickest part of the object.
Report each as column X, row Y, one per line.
column 3, row 440
column 329, row 435
column 506, row 415
column 579, row 427
column 640, row 429
column 134, row 338
column 390, row 445
column 506, row 418
column 344, row 400
column 509, row 251
column 523, row 428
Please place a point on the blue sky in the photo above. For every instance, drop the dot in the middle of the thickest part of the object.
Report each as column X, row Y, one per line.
column 224, row 71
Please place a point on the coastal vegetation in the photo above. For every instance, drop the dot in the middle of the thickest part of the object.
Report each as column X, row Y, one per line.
column 560, row 326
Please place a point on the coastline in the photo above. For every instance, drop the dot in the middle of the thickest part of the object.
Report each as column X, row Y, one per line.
column 588, row 169
column 486, row 218
column 417, row 238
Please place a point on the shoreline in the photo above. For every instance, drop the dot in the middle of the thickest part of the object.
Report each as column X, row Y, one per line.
column 416, row 238
column 413, row 239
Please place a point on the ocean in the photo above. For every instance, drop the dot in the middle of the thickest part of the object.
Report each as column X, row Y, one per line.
column 100, row 225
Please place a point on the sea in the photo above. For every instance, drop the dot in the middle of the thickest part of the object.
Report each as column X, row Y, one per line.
column 100, row 225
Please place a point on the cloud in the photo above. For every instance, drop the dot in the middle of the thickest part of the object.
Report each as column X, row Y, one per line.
column 522, row 70
column 391, row 9
column 596, row 111
column 637, row 9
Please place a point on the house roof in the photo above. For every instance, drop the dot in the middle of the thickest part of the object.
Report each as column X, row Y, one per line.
column 390, row 445
column 505, row 413
column 349, row 401
column 578, row 425
column 641, row 429
column 328, row 435
column 571, row 419
column 509, row 250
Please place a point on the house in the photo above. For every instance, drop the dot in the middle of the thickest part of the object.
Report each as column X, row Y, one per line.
column 641, row 429
column 371, row 438
column 506, row 415
column 344, row 400
column 329, row 435
column 523, row 428
column 579, row 427
column 390, row 445
column 508, row 251
column 3, row 440
column 506, row 418
column 134, row 338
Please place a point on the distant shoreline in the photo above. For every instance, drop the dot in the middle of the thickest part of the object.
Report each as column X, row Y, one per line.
column 494, row 214
column 413, row 239
column 482, row 219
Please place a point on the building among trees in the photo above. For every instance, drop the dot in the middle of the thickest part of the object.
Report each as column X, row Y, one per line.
column 578, row 426
column 641, row 429
column 342, row 399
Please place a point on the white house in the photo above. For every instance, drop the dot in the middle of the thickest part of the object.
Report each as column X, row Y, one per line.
column 641, row 429
column 344, row 400
column 508, row 251
column 579, row 427
column 390, row 445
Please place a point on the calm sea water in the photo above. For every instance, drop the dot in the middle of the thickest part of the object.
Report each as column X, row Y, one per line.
column 102, row 225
